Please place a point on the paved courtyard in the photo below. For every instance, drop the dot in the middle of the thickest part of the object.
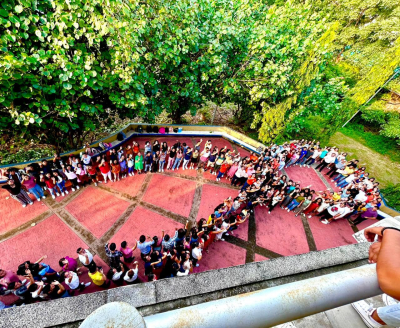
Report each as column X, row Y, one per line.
column 149, row 203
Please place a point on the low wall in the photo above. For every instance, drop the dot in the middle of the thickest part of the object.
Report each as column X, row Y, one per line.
column 167, row 294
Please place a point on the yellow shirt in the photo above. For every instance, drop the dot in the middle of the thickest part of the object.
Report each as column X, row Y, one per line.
column 209, row 220
column 97, row 278
column 336, row 197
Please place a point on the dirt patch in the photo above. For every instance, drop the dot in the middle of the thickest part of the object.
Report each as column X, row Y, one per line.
column 379, row 166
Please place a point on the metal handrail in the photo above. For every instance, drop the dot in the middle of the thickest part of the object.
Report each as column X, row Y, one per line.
column 276, row 305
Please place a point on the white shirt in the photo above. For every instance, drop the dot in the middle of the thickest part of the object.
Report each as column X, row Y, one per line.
column 347, row 210
column 196, row 253
column 335, row 210
column 82, row 258
column 134, row 277
column 329, row 159
column 74, row 284
column 316, row 154
column 70, row 175
column 86, row 160
column 361, row 196
column 117, row 275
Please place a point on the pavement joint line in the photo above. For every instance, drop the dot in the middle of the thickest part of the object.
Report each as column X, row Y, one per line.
column 309, row 235
column 25, row 226
column 118, row 194
column 118, row 224
column 159, row 210
column 74, row 224
column 251, row 237
column 194, row 210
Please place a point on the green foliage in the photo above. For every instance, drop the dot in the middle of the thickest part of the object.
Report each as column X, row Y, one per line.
column 392, row 196
column 26, row 155
column 375, row 141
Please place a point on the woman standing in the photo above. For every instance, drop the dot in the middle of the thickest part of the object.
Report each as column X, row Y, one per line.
column 60, row 183
column 72, row 177
column 17, row 192
column 104, row 168
column 195, row 159
column 172, row 153
column 131, row 164
column 123, row 165
column 115, row 169
column 139, row 163
column 163, row 156
column 186, row 158
column 178, row 159
column 29, row 183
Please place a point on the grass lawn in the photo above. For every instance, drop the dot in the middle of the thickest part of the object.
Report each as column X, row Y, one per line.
column 379, row 166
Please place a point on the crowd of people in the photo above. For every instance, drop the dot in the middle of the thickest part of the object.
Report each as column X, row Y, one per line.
column 261, row 180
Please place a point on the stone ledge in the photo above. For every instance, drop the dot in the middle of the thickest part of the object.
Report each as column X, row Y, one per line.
column 58, row 312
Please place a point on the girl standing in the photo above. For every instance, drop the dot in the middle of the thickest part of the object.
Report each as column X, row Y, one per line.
column 156, row 161
column 115, row 169
column 82, row 174
column 51, row 185
column 163, row 156
column 195, row 159
column 105, row 170
column 186, row 158
column 178, row 160
column 131, row 163
column 172, row 153
column 29, row 183
column 139, row 163
column 205, row 154
column 60, row 183
column 122, row 163
column 71, row 176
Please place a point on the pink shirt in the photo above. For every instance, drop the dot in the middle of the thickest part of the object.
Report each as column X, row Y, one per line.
column 9, row 278
column 29, row 183
column 127, row 252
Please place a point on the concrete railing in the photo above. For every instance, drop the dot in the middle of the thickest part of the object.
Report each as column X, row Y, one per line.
column 169, row 294
column 263, row 308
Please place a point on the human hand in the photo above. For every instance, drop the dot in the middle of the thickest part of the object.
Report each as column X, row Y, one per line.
column 370, row 233
column 374, row 250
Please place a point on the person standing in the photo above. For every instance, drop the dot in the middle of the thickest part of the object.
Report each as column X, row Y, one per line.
column 86, row 258
column 72, row 281
column 131, row 276
column 196, row 254
column 98, row 277
column 17, row 192
column 139, row 163
column 105, row 170
column 29, row 182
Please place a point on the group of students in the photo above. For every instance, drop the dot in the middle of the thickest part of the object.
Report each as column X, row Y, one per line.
column 164, row 257
column 261, row 184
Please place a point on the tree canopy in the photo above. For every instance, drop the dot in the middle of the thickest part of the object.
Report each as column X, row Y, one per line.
column 66, row 66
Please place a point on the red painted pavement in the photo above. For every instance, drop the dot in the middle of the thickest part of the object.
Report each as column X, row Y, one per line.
column 221, row 255
column 259, row 258
column 51, row 237
column 14, row 215
column 171, row 193
column 337, row 233
column 97, row 210
column 280, row 232
column 129, row 185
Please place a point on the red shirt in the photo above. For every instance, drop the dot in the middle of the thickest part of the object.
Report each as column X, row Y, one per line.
column 105, row 168
column 251, row 181
column 92, row 171
column 224, row 167
column 49, row 183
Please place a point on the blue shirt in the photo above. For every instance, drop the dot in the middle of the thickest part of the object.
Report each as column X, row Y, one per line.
column 145, row 248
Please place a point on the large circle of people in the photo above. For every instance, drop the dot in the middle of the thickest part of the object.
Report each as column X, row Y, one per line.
column 261, row 180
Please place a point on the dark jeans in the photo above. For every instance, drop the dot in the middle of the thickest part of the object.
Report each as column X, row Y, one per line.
column 91, row 265
column 322, row 165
